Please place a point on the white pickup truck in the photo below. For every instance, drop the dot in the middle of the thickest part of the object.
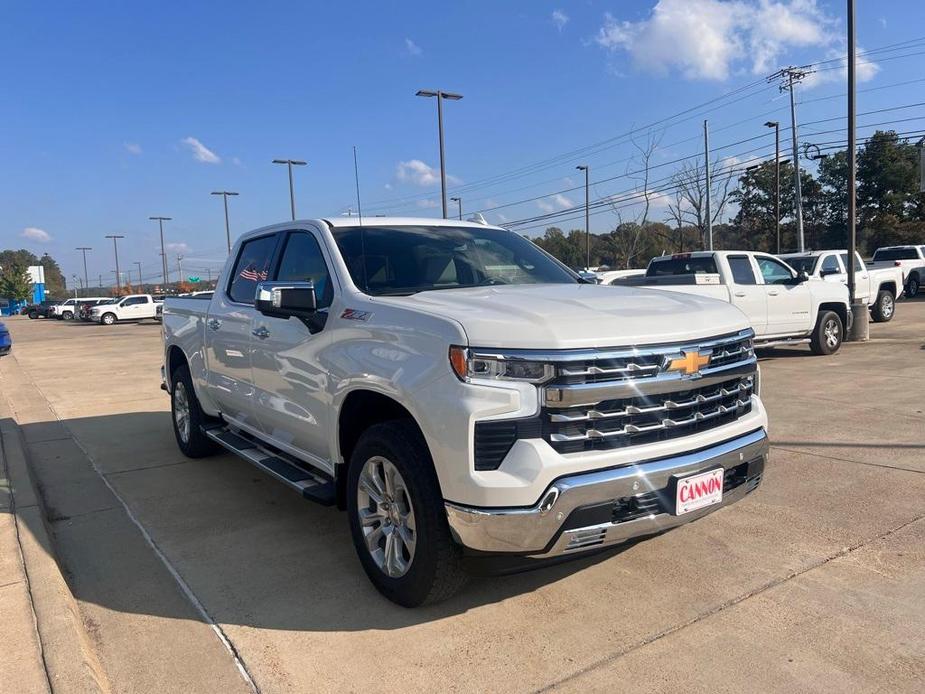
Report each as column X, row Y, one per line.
column 466, row 398
column 878, row 288
column 783, row 306
column 910, row 258
column 134, row 307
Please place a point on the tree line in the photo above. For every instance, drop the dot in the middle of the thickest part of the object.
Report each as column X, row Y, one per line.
column 890, row 208
column 14, row 280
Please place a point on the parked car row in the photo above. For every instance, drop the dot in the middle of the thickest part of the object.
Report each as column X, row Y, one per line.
column 103, row 310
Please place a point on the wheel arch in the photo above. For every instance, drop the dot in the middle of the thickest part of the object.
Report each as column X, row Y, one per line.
column 890, row 287
column 839, row 308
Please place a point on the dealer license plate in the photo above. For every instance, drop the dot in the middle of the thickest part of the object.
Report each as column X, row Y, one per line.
column 698, row 491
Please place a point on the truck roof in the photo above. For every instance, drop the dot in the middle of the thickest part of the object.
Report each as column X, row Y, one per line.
column 815, row 254
column 703, row 254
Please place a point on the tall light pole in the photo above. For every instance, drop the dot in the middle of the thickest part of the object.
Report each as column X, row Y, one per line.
column 441, row 95
column 179, row 269
column 458, row 201
column 587, row 170
column 140, row 280
column 160, row 222
column 790, row 76
column 776, row 125
column 290, row 163
column 115, row 248
column 84, row 249
column 860, row 329
column 708, row 186
column 225, row 194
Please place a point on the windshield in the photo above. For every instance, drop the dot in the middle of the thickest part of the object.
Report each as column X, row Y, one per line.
column 396, row 261
column 802, row 263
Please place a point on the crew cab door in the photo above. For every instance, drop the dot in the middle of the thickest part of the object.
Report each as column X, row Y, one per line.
column 789, row 301
column 293, row 404
column 862, row 290
column 228, row 331
column 747, row 294
column 134, row 308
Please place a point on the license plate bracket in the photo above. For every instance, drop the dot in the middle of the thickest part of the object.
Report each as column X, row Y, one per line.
column 698, row 490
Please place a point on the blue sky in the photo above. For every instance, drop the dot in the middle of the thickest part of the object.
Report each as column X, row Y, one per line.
column 115, row 112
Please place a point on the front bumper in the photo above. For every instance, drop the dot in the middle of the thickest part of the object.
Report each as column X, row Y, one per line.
column 606, row 507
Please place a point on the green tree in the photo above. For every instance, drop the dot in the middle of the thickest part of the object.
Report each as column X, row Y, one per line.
column 888, row 180
column 14, row 282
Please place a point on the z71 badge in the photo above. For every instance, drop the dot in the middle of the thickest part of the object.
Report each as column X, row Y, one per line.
column 353, row 314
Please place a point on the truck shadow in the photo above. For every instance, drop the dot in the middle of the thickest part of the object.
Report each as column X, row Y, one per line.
column 251, row 550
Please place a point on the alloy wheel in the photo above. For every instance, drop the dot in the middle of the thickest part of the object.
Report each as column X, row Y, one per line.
column 386, row 516
column 831, row 330
column 181, row 412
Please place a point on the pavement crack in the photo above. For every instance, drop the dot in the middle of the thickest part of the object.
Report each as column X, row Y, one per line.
column 732, row 602
column 846, row 460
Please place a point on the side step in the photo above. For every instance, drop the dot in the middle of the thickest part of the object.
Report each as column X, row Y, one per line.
column 777, row 342
column 311, row 484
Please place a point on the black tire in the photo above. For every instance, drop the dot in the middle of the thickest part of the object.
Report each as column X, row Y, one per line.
column 108, row 319
column 828, row 334
column 190, row 439
column 67, row 315
column 912, row 286
column 885, row 307
column 33, row 315
column 434, row 573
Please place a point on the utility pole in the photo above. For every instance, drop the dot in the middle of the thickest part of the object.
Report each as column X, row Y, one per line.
column 160, row 222
column 706, row 160
column 860, row 328
column 140, row 280
column 458, row 201
column 587, row 170
column 441, row 95
column 179, row 269
column 290, row 163
column 74, row 277
column 115, row 248
column 776, row 125
column 789, row 77
column 225, row 194
column 101, row 282
column 84, row 249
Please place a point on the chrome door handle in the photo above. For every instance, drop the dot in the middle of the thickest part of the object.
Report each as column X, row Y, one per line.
column 214, row 323
column 740, row 293
column 261, row 332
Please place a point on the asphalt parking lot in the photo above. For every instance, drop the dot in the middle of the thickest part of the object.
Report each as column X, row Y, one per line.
column 208, row 576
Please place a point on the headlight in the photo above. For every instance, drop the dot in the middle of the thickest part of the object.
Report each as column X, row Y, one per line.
column 498, row 367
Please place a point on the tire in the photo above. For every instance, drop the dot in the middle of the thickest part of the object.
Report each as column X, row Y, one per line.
column 912, row 286
column 33, row 315
column 885, row 308
column 828, row 334
column 108, row 319
column 67, row 315
column 188, row 417
column 431, row 569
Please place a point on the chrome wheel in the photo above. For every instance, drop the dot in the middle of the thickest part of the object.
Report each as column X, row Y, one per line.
column 832, row 333
column 886, row 306
column 181, row 415
column 386, row 516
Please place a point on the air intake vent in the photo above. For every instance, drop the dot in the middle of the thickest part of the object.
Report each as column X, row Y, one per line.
column 494, row 439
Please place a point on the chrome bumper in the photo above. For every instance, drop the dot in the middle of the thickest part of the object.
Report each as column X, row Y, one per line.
column 538, row 531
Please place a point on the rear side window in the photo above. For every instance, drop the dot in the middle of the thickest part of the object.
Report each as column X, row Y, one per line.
column 830, row 264
column 252, row 267
column 302, row 262
column 858, row 263
column 681, row 266
column 895, row 254
column 741, row 268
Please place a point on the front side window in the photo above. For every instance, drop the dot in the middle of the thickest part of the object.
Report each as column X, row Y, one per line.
column 741, row 268
column 830, row 264
column 302, row 262
column 405, row 260
column 773, row 271
column 253, row 266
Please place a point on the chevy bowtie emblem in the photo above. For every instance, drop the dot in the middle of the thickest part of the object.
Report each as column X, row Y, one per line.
column 690, row 363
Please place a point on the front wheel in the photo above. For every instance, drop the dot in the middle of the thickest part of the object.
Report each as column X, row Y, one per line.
column 108, row 319
column 883, row 310
column 828, row 334
column 33, row 315
column 397, row 517
column 912, row 286
column 67, row 315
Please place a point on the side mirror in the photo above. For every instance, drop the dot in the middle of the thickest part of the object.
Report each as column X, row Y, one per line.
column 285, row 299
column 802, row 277
column 826, row 273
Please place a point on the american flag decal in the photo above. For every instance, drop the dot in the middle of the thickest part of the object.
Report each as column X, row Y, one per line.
column 250, row 273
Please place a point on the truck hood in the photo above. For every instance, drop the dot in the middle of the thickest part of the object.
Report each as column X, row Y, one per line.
column 564, row 316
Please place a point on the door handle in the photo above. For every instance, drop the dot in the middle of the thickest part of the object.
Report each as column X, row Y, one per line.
column 741, row 294
column 214, row 323
column 773, row 292
column 261, row 332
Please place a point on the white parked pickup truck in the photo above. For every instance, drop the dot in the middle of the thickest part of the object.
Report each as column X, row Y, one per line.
column 64, row 310
column 467, row 399
column 783, row 306
column 878, row 288
column 134, row 307
column 910, row 258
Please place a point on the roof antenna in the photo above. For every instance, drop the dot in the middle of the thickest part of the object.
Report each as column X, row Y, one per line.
column 356, row 176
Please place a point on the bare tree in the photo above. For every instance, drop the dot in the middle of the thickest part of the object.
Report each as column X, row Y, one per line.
column 690, row 183
column 675, row 215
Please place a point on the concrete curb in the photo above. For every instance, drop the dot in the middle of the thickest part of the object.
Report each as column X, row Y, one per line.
column 70, row 662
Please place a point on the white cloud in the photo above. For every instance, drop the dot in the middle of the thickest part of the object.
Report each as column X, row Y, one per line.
column 882, row 21
column 865, row 69
column 132, row 148
column 554, row 202
column 201, row 153
column 427, row 204
column 412, row 47
column 501, row 218
column 420, row 174
column 710, row 39
column 36, row 234
column 176, row 247
column 560, row 19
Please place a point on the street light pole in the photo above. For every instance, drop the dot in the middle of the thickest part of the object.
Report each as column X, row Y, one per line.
column 115, row 248
column 441, row 95
column 458, row 201
column 290, row 163
column 860, row 328
column 160, row 222
column 225, row 194
column 84, row 249
column 776, row 125
column 179, row 269
column 140, row 280
column 706, row 170
column 587, row 170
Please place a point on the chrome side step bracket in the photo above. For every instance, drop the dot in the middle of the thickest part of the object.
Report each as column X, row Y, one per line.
column 311, row 484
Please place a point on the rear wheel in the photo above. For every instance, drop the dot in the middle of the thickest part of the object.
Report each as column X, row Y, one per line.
column 108, row 318
column 67, row 315
column 397, row 518
column 912, row 286
column 883, row 310
column 828, row 333
column 33, row 315
column 188, row 417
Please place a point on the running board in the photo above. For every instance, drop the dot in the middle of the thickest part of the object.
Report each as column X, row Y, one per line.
column 311, row 485
column 782, row 341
